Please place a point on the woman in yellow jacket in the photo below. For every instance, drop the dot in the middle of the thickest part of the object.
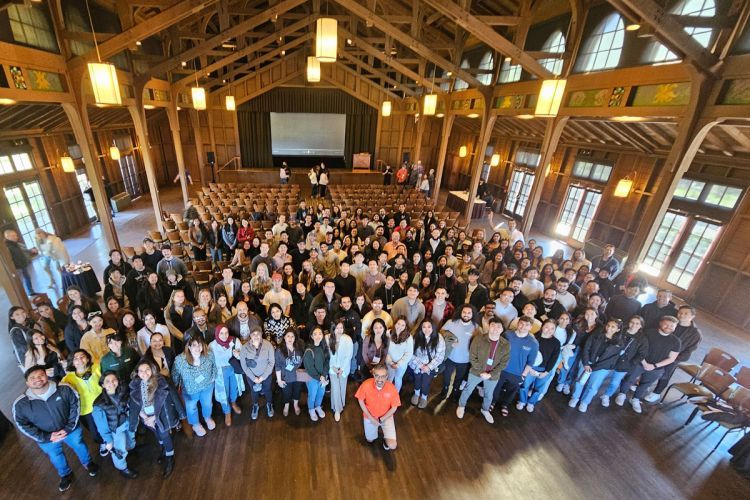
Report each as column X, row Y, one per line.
column 84, row 378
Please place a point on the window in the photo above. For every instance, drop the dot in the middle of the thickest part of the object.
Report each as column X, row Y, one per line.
column 130, row 175
column 603, row 49
column 578, row 212
column 528, row 157
column 715, row 195
column 460, row 84
column 83, row 184
column 585, row 169
column 518, row 193
column 665, row 239
column 17, row 162
column 446, row 85
column 509, row 72
column 29, row 209
column 30, row 26
column 697, row 8
column 556, row 44
column 701, row 237
column 486, row 64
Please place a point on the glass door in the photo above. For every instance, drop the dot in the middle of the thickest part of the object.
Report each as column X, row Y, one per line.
column 130, row 175
column 518, row 192
column 83, row 184
column 29, row 209
column 694, row 249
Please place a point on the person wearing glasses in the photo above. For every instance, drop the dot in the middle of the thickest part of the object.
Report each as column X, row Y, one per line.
column 379, row 401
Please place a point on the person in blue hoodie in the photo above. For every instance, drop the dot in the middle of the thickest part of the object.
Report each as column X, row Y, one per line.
column 523, row 351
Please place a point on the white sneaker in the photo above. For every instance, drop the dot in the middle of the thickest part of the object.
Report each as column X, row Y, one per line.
column 320, row 411
column 620, row 399
column 652, row 398
column 605, row 401
column 559, row 387
column 520, row 405
column 583, row 407
column 636, row 403
column 633, row 388
column 566, row 389
column 530, row 408
column 337, row 416
column 460, row 411
column 210, row 424
column 199, row 430
column 488, row 417
column 573, row 402
column 461, row 387
column 313, row 415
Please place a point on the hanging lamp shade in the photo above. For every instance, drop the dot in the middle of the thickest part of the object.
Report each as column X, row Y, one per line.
column 66, row 162
column 104, row 83
column 229, row 101
column 495, row 160
column 462, row 152
column 313, row 69
column 199, row 97
column 430, row 104
column 114, row 153
column 624, row 186
column 550, row 97
column 386, row 108
column 326, row 39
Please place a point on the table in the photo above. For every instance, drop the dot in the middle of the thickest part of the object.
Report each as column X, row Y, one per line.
column 86, row 281
column 457, row 200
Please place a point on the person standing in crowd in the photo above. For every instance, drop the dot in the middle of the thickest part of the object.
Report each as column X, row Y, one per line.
column 438, row 310
column 400, row 352
column 41, row 353
column 410, row 308
column 663, row 349
column 489, row 356
column 170, row 262
column 94, row 341
column 662, row 306
column 312, row 174
column 198, row 235
column 257, row 360
column 84, row 378
column 625, row 305
column 634, row 349
column 323, row 181
column 606, row 260
column 379, row 401
column 523, row 352
column 53, row 251
column 316, row 361
column 535, row 387
column 458, row 334
column 341, row 350
column 429, row 353
column 387, row 175
column 225, row 350
column 120, row 359
column 155, row 404
column 195, row 371
column 374, row 345
column 20, row 330
column 49, row 414
column 74, row 330
column 21, row 257
column 112, row 421
column 284, row 173
column 288, row 360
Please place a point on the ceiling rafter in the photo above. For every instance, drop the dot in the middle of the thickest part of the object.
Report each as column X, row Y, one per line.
column 376, row 72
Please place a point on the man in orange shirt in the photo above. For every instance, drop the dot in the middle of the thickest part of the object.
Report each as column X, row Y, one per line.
column 379, row 400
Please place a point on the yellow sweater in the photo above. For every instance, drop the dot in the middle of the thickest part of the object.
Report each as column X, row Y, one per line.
column 88, row 390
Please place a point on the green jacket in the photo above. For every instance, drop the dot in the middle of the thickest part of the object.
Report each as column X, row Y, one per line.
column 123, row 365
column 479, row 353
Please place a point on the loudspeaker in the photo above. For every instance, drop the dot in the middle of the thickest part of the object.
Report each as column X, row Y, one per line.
column 211, row 157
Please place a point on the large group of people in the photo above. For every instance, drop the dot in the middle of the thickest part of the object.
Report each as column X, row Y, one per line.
column 326, row 299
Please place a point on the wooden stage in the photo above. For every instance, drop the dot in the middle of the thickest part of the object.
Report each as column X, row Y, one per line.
column 299, row 176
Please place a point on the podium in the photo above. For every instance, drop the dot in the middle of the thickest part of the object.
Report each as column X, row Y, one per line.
column 361, row 161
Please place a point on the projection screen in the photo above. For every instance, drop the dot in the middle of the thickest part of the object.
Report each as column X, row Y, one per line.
column 308, row 134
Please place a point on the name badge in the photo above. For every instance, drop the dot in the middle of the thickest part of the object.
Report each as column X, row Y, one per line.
column 490, row 361
column 199, row 379
column 289, row 367
column 148, row 410
column 376, row 359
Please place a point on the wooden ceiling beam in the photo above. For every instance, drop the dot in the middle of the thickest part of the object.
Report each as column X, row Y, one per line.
column 738, row 136
column 272, row 38
column 406, row 40
column 488, row 35
column 378, row 73
column 234, row 31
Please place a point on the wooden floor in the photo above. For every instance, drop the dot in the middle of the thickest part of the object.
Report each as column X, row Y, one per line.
column 555, row 453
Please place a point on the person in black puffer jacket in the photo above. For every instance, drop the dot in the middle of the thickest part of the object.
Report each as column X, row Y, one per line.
column 111, row 418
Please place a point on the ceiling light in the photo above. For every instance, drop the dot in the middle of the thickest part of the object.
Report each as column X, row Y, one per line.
column 633, row 27
column 66, row 162
column 283, row 52
column 440, row 115
column 386, row 108
column 224, row 81
column 313, row 69
column 449, row 73
column 183, row 63
column 495, row 160
column 228, row 46
column 149, row 106
column 473, row 115
column 326, row 39
column 628, row 119
column 349, row 41
column 104, row 83
column 525, row 117
column 550, row 97
column 199, row 97
column 138, row 43
column 430, row 104
column 114, row 153
column 507, row 59
column 229, row 101
column 462, row 152
column 624, row 186
column 6, row 101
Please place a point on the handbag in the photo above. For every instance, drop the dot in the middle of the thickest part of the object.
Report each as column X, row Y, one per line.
column 236, row 365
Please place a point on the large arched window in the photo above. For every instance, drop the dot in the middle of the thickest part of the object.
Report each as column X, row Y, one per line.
column 486, row 64
column 460, row 84
column 554, row 44
column 604, row 47
column 657, row 52
column 509, row 72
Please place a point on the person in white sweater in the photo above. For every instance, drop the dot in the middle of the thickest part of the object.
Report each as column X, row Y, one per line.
column 341, row 348
column 400, row 351
column 532, row 288
column 429, row 353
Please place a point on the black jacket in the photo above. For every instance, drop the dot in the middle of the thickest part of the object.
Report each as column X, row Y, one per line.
column 20, row 255
column 542, row 315
column 300, row 309
column 116, row 411
column 38, row 418
column 153, row 299
column 478, row 299
column 690, row 337
column 151, row 261
column 633, row 351
column 439, row 249
column 352, row 323
column 20, row 335
column 601, row 353
column 652, row 313
column 167, row 405
column 73, row 336
column 123, row 267
column 169, row 355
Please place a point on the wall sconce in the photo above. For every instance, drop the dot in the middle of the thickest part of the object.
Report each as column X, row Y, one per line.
column 66, row 162
column 114, row 153
column 624, row 186
column 386, row 108
column 495, row 160
column 462, row 152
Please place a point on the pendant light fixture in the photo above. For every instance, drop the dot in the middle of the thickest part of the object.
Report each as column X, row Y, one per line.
column 429, row 105
column 198, row 93
column 103, row 75
column 67, row 164
column 313, row 69
column 386, row 108
column 114, row 153
column 550, row 98
column 495, row 160
column 326, row 39
column 229, row 102
column 624, row 186
column 462, row 152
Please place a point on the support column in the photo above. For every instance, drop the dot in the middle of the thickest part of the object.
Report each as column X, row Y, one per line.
column 690, row 136
column 198, row 138
column 488, row 123
column 79, row 123
column 174, row 126
column 445, row 135
column 400, row 150
column 141, row 131
column 417, row 149
column 378, row 132
column 10, row 281
column 552, row 135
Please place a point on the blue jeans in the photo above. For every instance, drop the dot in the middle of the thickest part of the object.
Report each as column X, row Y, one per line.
column 536, row 385
column 568, row 375
column 614, row 384
column 315, row 392
column 230, row 386
column 581, row 380
column 471, row 384
column 216, row 254
column 26, row 277
column 206, row 399
column 55, row 451
column 422, row 381
column 122, row 441
column 596, row 379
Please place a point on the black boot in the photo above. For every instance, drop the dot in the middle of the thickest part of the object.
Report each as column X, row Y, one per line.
column 128, row 473
column 168, row 466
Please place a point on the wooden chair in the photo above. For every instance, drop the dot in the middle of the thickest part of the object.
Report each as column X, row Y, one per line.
column 174, row 238
column 711, row 380
column 716, row 357
column 182, row 226
column 169, row 225
column 743, row 377
column 201, row 278
column 737, row 404
column 203, row 265
column 129, row 253
column 157, row 237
